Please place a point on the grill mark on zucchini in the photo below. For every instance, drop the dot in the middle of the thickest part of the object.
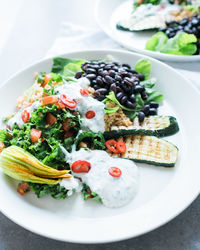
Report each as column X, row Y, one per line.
column 159, row 126
column 149, row 150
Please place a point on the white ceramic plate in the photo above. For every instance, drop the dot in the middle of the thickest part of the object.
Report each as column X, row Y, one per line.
column 163, row 193
column 108, row 13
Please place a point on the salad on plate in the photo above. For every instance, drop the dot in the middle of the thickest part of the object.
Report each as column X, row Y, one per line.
column 176, row 25
column 82, row 128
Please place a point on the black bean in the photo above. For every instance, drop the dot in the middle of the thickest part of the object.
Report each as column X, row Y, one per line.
column 109, row 79
column 113, row 87
column 126, row 88
column 123, row 100
column 119, row 89
column 90, row 71
column 132, row 71
column 102, row 65
column 128, row 81
column 95, row 66
column 115, row 63
column 187, row 30
column 123, row 73
column 78, row 74
column 111, row 73
column 126, row 65
column 154, row 105
column 93, row 82
column 184, row 21
column 104, row 73
column 96, row 87
column 118, row 78
column 146, row 109
column 171, row 34
column 141, row 116
column 138, row 89
column 99, row 71
column 132, row 98
column 99, row 81
column 141, row 77
column 115, row 68
column 144, row 95
column 107, row 67
column 101, row 91
column 195, row 22
column 119, row 96
column 152, row 111
column 130, row 105
column 100, row 97
column 91, row 76
column 84, row 66
column 162, row 29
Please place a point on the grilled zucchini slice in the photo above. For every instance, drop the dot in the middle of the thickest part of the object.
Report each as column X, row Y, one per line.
column 149, row 149
column 153, row 125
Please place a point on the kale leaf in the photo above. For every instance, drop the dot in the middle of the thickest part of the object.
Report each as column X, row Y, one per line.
column 56, row 191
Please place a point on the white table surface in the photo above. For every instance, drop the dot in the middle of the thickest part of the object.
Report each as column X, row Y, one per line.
column 28, row 28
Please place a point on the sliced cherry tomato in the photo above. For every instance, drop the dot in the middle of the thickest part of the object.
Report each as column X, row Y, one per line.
column 84, row 92
column 68, row 102
column 23, row 188
column 25, row 116
column 35, row 135
column 115, row 172
column 50, row 119
column 121, row 147
column 49, row 100
column 90, row 114
column 112, row 146
column 1, row 146
column 46, row 80
column 81, row 166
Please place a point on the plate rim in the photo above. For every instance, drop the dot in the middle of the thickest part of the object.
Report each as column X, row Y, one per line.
column 106, row 51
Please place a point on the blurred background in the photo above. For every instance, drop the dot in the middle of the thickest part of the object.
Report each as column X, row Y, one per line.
column 28, row 30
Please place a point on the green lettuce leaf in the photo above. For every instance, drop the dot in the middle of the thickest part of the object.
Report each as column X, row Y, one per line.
column 181, row 44
column 157, row 42
column 66, row 67
column 143, row 67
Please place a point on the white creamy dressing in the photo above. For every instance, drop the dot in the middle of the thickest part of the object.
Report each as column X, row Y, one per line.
column 84, row 104
column 114, row 191
column 71, row 184
column 17, row 118
column 150, row 9
column 149, row 16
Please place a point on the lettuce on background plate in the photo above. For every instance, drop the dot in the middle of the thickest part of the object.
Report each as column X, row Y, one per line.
column 181, row 44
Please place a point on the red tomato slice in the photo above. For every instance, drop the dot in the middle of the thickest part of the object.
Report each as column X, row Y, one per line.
column 46, row 80
column 121, row 147
column 68, row 102
column 84, row 92
column 35, row 135
column 115, row 172
column 25, row 116
column 112, row 146
column 1, row 146
column 90, row 114
column 81, row 166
